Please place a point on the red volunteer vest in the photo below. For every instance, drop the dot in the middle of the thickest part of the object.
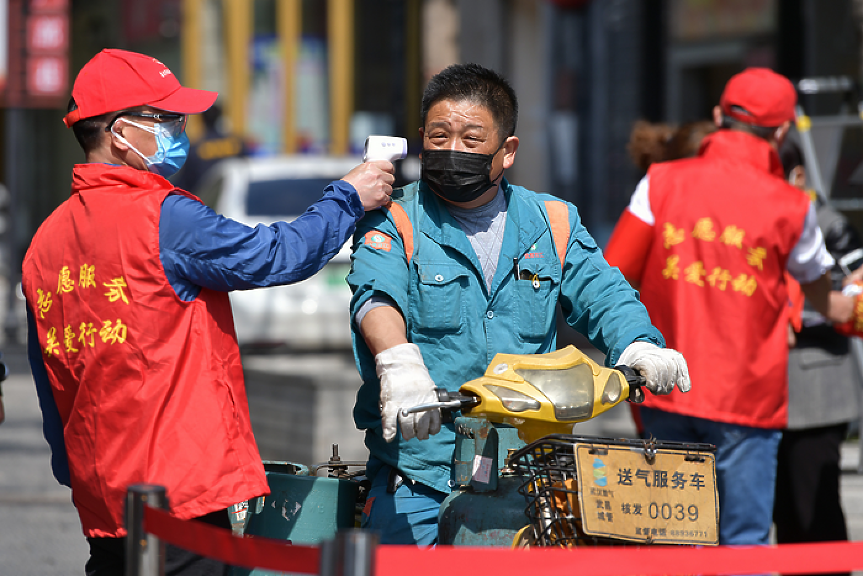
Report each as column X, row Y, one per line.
column 149, row 388
column 713, row 279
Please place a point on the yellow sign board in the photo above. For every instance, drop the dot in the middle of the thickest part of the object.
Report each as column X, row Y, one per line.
column 661, row 497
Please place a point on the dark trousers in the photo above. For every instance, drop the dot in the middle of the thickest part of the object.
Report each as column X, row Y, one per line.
column 807, row 507
column 108, row 555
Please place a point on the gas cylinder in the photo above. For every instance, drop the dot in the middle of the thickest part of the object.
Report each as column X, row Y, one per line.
column 301, row 508
column 469, row 518
column 485, row 507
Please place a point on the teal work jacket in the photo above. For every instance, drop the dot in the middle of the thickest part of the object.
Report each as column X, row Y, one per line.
column 459, row 324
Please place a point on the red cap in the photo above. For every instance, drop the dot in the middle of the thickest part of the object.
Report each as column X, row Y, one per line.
column 767, row 98
column 115, row 80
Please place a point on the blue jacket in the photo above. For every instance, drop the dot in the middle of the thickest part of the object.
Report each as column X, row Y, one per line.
column 459, row 325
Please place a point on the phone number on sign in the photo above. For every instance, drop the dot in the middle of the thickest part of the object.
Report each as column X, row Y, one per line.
column 688, row 533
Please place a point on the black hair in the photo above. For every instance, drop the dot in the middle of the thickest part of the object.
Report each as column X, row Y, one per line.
column 477, row 84
column 790, row 155
column 88, row 131
column 763, row 132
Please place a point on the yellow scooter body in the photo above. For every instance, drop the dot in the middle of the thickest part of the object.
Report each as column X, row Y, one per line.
column 541, row 394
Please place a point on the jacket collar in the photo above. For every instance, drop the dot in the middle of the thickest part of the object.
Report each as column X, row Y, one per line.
column 439, row 225
column 121, row 178
column 742, row 147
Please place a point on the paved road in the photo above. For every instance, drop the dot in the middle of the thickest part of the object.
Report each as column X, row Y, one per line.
column 39, row 529
column 40, row 534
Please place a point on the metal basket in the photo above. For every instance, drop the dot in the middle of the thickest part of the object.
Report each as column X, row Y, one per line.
column 551, row 486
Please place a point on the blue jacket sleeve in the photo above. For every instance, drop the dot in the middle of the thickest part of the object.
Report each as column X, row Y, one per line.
column 597, row 301
column 52, row 425
column 369, row 261
column 199, row 247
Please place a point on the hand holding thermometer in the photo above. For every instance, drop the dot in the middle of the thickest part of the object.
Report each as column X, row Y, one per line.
column 385, row 148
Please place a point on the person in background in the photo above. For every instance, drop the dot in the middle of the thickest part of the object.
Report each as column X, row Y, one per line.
column 464, row 265
column 650, row 143
column 823, row 394
column 131, row 337
column 214, row 146
column 707, row 240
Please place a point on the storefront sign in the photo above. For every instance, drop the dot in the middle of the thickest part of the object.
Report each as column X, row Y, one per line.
column 38, row 59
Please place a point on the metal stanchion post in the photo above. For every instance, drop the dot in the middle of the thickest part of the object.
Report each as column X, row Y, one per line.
column 350, row 553
column 145, row 554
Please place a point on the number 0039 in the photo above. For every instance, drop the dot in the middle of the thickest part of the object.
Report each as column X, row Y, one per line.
column 673, row 511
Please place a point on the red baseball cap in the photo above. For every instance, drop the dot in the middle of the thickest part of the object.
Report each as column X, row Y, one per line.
column 115, row 80
column 765, row 97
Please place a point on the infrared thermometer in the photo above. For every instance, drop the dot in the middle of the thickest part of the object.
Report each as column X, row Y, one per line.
column 385, row 148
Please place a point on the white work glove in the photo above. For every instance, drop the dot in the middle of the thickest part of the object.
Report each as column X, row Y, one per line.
column 662, row 368
column 405, row 382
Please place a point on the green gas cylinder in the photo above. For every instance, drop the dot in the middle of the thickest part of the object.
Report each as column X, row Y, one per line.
column 470, row 518
column 485, row 507
column 301, row 508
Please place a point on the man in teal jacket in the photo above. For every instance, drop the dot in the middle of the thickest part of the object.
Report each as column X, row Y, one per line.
column 463, row 266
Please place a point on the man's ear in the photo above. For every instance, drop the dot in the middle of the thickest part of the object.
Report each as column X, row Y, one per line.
column 113, row 141
column 797, row 177
column 510, row 147
column 781, row 132
column 717, row 116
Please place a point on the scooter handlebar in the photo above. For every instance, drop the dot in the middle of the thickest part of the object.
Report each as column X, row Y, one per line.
column 636, row 383
column 446, row 401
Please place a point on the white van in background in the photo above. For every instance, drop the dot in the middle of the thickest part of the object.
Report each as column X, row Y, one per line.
column 309, row 315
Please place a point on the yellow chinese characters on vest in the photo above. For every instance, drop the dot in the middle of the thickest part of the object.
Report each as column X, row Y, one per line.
column 697, row 273
column 88, row 332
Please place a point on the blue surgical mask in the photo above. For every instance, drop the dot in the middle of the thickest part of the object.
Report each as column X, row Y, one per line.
column 172, row 147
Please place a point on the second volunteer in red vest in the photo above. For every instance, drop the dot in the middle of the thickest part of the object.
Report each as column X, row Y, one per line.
column 707, row 241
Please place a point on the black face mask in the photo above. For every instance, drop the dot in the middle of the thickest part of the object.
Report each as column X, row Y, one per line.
column 457, row 176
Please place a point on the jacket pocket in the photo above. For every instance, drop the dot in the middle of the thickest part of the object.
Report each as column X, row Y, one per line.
column 438, row 304
column 536, row 293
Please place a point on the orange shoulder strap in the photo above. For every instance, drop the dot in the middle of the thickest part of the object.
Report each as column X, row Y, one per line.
column 558, row 218
column 404, row 227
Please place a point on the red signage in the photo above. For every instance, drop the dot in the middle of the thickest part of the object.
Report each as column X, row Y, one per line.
column 47, row 34
column 46, row 76
column 38, row 75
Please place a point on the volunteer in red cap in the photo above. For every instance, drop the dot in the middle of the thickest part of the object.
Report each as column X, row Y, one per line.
column 708, row 241
column 131, row 336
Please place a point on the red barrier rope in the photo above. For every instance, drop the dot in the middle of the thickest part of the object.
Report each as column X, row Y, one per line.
column 221, row 544
column 619, row 561
column 271, row 554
